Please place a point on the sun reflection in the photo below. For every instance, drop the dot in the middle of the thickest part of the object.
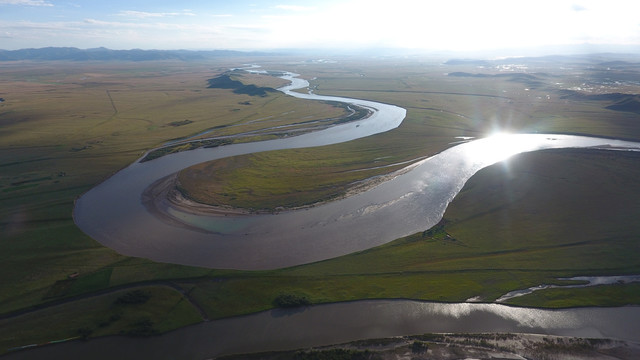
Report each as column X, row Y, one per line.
column 498, row 147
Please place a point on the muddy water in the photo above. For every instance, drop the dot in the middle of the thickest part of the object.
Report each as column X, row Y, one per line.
column 112, row 212
column 343, row 322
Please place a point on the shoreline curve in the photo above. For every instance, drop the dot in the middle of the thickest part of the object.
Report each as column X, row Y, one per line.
column 113, row 213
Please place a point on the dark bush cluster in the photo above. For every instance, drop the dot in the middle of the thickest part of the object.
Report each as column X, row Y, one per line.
column 133, row 297
column 290, row 301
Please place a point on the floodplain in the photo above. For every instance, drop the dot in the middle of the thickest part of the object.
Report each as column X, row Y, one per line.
column 528, row 221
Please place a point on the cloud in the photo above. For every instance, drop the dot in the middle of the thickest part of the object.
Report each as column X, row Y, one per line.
column 22, row 27
column 489, row 24
column 578, row 7
column 296, row 8
column 126, row 26
column 146, row 15
column 26, row 2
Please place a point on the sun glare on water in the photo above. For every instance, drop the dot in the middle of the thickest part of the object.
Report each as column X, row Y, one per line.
column 500, row 146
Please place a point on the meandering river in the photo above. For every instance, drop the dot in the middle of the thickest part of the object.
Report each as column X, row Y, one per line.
column 113, row 214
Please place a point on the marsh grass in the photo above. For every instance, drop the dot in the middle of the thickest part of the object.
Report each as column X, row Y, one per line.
column 165, row 309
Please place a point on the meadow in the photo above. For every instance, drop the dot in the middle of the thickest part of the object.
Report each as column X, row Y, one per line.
column 67, row 126
column 439, row 108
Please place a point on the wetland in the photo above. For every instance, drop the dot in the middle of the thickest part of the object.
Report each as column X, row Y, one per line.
column 496, row 236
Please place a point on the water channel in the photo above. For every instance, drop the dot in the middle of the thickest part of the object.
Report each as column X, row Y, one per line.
column 588, row 281
column 343, row 322
column 112, row 213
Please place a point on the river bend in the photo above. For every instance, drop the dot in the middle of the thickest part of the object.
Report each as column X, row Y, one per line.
column 113, row 214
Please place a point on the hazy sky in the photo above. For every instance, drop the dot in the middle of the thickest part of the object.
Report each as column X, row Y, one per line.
column 238, row 24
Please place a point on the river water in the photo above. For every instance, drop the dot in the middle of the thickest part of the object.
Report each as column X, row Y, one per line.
column 589, row 281
column 343, row 322
column 112, row 212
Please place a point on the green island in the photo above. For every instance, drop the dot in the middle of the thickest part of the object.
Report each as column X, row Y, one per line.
column 527, row 221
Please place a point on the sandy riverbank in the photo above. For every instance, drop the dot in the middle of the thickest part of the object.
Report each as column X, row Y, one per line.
column 164, row 195
column 510, row 346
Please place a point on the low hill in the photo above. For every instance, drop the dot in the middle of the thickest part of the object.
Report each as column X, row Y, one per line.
column 629, row 104
column 225, row 81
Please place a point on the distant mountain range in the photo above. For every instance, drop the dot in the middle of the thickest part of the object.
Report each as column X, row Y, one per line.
column 622, row 102
column 104, row 54
column 602, row 59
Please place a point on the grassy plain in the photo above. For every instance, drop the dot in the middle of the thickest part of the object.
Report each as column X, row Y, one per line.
column 525, row 222
column 164, row 310
column 439, row 108
column 65, row 127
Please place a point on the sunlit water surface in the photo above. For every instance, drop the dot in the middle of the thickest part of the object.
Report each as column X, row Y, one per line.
column 112, row 212
column 343, row 322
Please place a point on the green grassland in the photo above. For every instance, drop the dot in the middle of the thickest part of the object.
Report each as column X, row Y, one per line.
column 439, row 108
column 515, row 225
column 67, row 127
column 156, row 309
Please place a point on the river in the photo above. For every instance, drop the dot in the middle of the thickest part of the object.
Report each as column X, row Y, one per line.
column 113, row 214
column 343, row 322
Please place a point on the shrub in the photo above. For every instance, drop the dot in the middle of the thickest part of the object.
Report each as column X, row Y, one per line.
column 290, row 301
column 133, row 297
